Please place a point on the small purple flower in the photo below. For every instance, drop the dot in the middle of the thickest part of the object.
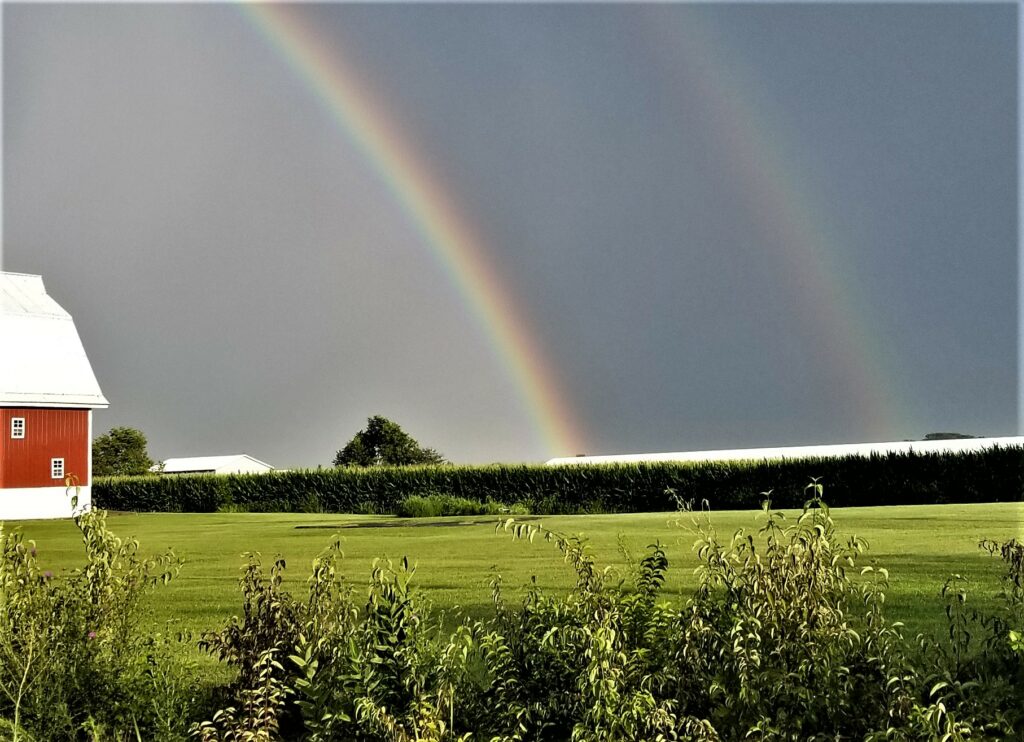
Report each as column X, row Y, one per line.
column 91, row 635
column 47, row 575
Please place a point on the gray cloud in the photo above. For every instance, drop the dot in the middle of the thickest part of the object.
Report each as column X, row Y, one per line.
column 244, row 280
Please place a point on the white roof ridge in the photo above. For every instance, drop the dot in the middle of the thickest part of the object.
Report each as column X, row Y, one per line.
column 174, row 463
column 215, row 456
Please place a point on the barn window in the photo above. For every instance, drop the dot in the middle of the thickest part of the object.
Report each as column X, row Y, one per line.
column 17, row 427
column 56, row 468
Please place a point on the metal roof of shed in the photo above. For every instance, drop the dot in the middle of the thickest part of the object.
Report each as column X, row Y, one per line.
column 42, row 361
column 954, row 445
column 209, row 463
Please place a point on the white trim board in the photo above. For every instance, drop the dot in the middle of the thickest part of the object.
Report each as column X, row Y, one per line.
column 31, row 503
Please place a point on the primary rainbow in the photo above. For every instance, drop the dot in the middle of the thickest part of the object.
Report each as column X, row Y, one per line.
column 431, row 209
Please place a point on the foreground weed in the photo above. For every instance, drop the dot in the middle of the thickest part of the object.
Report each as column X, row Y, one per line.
column 345, row 672
column 73, row 661
column 785, row 638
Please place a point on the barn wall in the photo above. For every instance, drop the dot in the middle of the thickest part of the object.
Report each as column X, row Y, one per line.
column 49, row 433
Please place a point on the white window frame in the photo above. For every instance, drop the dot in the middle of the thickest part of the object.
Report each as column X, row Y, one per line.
column 56, row 468
column 17, row 427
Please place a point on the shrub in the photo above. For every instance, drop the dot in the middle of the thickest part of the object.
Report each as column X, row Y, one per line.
column 974, row 674
column 348, row 673
column 433, row 506
column 780, row 642
column 270, row 623
column 72, row 656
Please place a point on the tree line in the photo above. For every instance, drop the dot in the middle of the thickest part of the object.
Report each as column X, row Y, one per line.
column 123, row 451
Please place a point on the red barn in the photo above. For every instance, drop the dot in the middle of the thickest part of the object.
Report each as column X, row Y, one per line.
column 47, row 394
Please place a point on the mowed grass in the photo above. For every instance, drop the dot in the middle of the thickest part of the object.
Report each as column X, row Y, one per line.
column 457, row 557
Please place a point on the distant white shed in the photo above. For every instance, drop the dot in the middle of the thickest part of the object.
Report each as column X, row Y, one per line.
column 955, row 445
column 240, row 463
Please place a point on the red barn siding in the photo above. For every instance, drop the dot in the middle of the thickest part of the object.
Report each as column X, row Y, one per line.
column 49, row 434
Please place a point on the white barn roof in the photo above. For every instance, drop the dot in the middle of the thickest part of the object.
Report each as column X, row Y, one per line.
column 43, row 362
column 955, row 445
column 240, row 463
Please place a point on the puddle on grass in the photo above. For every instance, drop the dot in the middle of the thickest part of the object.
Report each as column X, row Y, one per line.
column 411, row 523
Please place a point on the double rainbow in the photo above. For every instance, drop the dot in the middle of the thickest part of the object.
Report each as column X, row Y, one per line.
column 754, row 149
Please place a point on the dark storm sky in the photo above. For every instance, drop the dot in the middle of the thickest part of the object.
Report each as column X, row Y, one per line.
column 727, row 225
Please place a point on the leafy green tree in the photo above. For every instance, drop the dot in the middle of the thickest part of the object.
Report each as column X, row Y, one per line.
column 120, row 452
column 384, row 443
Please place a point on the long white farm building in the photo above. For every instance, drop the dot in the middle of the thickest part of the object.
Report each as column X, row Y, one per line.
column 239, row 463
column 955, row 445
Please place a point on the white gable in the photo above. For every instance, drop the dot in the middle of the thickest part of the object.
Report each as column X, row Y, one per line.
column 42, row 361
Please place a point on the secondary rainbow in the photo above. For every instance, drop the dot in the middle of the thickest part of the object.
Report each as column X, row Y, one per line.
column 449, row 234
column 755, row 150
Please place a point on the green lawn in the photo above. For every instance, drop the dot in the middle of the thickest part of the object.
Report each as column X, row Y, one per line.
column 919, row 545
